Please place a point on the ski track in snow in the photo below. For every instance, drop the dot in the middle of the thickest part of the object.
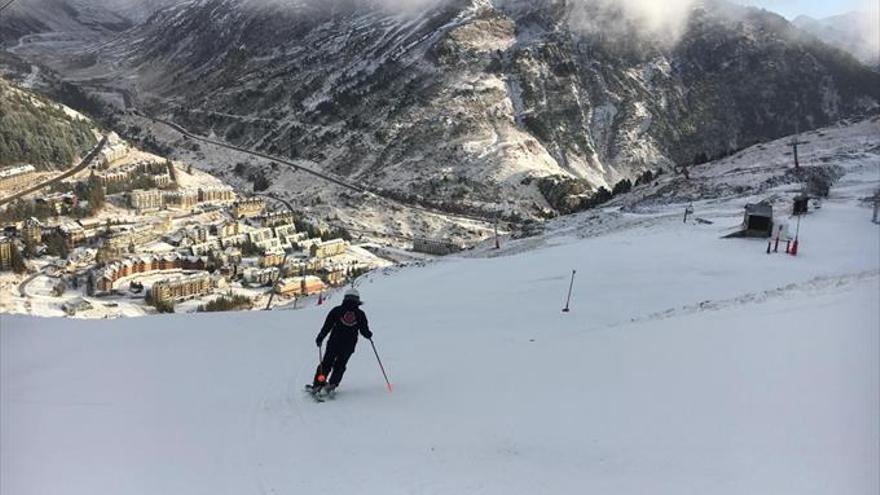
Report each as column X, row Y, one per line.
column 816, row 285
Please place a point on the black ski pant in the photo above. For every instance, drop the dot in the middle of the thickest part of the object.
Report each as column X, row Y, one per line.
column 333, row 365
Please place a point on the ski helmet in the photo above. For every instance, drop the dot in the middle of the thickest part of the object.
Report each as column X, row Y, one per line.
column 352, row 294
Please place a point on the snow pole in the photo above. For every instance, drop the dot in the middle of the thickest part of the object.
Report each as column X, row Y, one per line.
column 797, row 232
column 566, row 309
column 776, row 245
column 769, row 243
column 387, row 382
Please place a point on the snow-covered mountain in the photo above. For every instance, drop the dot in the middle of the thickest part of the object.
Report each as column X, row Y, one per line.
column 688, row 364
column 855, row 32
column 59, row 16
column 471, row 99
column 32, row 17
column 504, row 104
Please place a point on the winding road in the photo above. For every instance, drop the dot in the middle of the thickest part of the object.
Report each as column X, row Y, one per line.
column 322, row 175
column 83, row 164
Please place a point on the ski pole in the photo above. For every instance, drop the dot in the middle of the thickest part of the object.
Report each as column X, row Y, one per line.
column 321, row 377
column 568, row 299
column 388, row 382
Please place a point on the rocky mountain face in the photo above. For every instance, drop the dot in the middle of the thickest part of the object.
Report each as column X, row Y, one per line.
column 479, row 102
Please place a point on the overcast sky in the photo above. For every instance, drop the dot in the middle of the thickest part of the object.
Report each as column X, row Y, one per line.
column 813, row 8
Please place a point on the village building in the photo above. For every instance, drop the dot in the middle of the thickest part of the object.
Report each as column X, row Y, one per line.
column 205, row 248
column 233, row 240
column 103, row 279
column 226, row 260
column 16, row 176
column 306, row 244
column 232, row 255
column 161, row 181
column 228, row 229
column 261, row 235
column 115, row 177
column 216, row 194
column 287, row 233
column 156, row 171
column 302, row 265
column 58, row 202
column 73, row 234
column 260, row 276
column 114, row 149
column 276, row 218
column 181, row 288
column 32, row 231
column 327, row 249
column 92, row 223
column 272, row 257
column 6, row 248
column 136, row 236
column 335, row 273
column 249, row 207
column 299, row 286
column 183, row 199
column 198, row 234
column 270, row 245
column 435, row 247
column 144, row 200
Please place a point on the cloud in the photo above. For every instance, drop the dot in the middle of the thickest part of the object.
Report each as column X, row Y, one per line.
column 663, row 20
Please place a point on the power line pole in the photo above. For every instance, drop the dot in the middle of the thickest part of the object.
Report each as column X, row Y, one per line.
column 797, row 136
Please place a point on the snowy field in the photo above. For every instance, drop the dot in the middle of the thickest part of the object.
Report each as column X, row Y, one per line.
column 688, row 364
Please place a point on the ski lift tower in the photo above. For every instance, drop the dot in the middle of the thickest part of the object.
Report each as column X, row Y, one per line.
column 796, row 140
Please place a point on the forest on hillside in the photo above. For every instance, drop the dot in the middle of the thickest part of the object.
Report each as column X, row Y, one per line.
column 36, row 131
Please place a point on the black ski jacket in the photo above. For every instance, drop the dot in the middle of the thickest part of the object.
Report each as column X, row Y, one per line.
column 343, row 324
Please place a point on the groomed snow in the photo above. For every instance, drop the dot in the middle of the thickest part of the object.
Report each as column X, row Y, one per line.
column 770, row 386
column 689, row 364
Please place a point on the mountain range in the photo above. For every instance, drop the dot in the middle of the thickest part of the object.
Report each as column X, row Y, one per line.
column 534, row 105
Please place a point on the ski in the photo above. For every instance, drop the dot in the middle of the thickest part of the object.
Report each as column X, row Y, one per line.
column 314, row 393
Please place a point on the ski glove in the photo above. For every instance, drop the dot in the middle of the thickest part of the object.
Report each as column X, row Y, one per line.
column 368, row 334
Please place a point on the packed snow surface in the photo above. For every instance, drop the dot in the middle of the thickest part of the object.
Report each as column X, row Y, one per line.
column 688, row 364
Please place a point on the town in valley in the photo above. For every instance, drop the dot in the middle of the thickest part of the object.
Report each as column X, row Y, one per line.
column 131, row 233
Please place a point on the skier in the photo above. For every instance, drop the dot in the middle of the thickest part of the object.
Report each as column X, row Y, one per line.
column 343, row 324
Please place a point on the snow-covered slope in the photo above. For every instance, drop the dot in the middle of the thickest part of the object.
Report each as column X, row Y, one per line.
column 689, row 364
